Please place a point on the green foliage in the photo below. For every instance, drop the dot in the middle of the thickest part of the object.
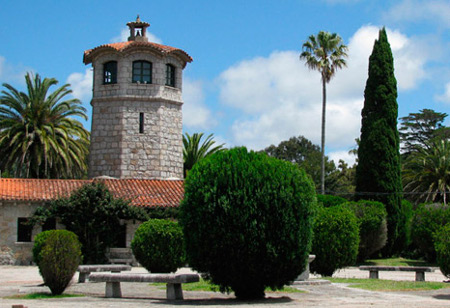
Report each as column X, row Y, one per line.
column 301, row 151
column 247, row 220
column 406, row 213
column 390, row 285
column 39, row 136
column 329, row 200
column 162, row 212
column 442, row 245
column 418, row 129
column 158, row 246
column 324, row 53
column 194, row 150
column 426, row 172
column 427, row 220
column 59, row 259
column 39, row 242
column 378, row 175
column 336, row 240
column 94, row 215
column 371, row 217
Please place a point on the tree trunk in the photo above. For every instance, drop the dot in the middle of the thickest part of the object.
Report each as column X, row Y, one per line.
column 322, row 169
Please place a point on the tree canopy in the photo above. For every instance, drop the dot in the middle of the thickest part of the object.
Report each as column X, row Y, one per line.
column 194, row 149
column 39, row 134
column 324, row 53
column 378, row 175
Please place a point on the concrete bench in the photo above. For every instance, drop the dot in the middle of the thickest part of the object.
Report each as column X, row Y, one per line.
column 173, row 281
column 86, row 270
column 420, row 270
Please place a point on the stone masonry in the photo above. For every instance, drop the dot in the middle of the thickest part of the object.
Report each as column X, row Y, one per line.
column 118, row 148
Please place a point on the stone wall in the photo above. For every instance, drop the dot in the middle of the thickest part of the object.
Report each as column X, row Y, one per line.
column 118, row 149
column 20, row 251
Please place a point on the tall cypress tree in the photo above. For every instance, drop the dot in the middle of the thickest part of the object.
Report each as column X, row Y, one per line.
column 378, row 172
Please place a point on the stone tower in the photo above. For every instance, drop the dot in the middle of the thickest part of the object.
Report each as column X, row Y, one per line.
column 136, row 108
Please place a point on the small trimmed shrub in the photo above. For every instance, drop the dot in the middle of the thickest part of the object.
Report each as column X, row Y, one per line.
column 158, row 246
column 39, row 242
column 330, row 200
column 442, row 245
column 372, row 223
column 428, row 219
column 247, row 220
column 59, row 259
column 336, row 240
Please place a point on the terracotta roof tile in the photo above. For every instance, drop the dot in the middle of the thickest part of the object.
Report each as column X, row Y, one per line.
column 122, row 46
column 145, row 193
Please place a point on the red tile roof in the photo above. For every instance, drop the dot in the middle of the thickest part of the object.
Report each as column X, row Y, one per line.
column 146, row 193
column 123, row 46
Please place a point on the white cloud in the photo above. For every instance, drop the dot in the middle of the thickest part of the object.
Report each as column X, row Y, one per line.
column 195, row 113
column 279, row 98
column 14, row 74
column 436, row 11
column 445, row 97
column 350, row 159
column 125, row 33
column 81, row 84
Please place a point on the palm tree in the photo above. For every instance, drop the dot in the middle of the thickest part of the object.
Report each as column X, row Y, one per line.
column 325, row 53
column 194, row 150
column 426, row 173
column 39, row 138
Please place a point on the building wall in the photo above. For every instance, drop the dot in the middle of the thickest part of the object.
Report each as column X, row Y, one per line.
column 11, row 211
column 118, row 149
column 20, row 253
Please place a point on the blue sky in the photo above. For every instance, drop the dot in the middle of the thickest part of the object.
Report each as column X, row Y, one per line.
column 246, row 84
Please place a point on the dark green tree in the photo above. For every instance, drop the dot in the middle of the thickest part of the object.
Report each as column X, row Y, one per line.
column 94, row 215
column 324, row 52
column 378, row 174
column 419, row 129
column 301, row 151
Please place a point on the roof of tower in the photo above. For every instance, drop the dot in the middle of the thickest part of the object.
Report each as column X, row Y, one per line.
column 136, row 40
column 145, row 193
column 123, row 47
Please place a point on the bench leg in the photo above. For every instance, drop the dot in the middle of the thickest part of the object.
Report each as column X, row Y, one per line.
column 82, row 277
column 113, row 290
column 420, row 276
column 174, row 291
column 373, row 275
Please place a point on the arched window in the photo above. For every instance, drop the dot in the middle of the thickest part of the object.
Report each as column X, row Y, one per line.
column 110, row 72
column 170, row 75
column 142, row 72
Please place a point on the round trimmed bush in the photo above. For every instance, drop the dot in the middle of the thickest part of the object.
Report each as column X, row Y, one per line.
column 59, row 259
column 330, row 200
column 442, row 245
column 336, row 240
column 247, row 220
column 427, row 220
column 39, row 242
column 158, row 246
column 372, row 223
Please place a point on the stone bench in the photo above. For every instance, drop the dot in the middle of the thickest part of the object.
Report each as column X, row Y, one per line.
column 173, row 281
column 420, row 270
column 86, row 270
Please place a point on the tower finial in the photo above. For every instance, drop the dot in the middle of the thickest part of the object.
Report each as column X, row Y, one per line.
column 138, row 19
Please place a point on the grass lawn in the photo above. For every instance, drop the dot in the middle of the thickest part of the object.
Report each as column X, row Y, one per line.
column 396, row 262
column 42, row 296
column 389, row 285
column 203, row 285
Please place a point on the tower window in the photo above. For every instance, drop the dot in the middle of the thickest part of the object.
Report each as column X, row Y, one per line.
column 142, row 72
column 170, row 75
column 110, row 72
column 141, row 123
column 24, row 230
